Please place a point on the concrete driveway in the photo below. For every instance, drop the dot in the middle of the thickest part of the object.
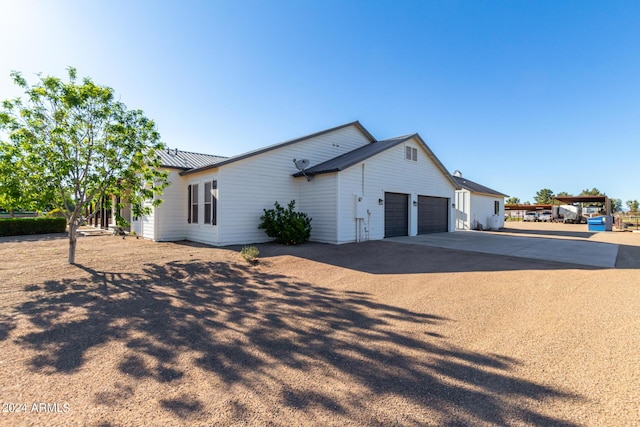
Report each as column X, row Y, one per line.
column 551, row 249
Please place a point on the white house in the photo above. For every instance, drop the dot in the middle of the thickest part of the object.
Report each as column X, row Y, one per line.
column 477, row 206
column 352, row 186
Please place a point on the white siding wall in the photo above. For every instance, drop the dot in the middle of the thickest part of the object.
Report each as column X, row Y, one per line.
column 172, row 212
column 201, row 232
column 388, row 172
column 482, row 208
column 318, row 198
column 463, row 202
column 148, row 222
column 248, row 186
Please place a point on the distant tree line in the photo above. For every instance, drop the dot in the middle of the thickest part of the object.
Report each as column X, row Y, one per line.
column 546, row 195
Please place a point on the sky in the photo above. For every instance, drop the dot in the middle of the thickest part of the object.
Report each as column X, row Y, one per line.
column 517, row 95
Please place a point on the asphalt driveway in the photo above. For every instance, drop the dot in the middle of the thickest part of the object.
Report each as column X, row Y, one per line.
column 583, row 252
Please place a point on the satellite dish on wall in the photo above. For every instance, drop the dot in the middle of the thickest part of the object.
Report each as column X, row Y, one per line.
column 301, row 164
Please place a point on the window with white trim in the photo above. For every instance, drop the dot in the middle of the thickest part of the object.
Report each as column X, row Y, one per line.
column 214, row 202
column 207, row 202
column 193, row 201
column 411, row 153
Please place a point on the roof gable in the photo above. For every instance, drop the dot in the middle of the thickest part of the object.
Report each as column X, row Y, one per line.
column 474, row 187
column 352, row 157
column 233, row 159
column 363, row 153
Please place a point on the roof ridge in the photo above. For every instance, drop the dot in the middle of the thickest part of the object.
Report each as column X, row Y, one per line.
column 470, row 183
column 409, row 135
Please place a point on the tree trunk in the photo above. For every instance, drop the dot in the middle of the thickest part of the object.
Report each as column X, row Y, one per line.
column 72, row 244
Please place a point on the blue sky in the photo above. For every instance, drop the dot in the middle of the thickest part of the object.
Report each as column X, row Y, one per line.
column 518, row 95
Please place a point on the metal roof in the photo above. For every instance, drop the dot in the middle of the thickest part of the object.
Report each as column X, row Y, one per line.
column 196, row 162
column 352, row 157
column 521, row 207
column 360, row 154
column 474, row 187
column 582, row 199
column 174, row 158
column 276, row 146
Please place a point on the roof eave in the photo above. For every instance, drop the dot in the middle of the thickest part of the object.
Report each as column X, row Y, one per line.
column 173, row 167
column 322, row 172
column 499, row 195
column 200, row 169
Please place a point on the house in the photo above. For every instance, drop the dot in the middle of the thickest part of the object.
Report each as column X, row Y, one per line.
column 477, row 206
column 353, row 186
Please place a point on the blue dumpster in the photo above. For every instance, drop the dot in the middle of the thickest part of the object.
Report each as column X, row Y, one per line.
column 600, row 223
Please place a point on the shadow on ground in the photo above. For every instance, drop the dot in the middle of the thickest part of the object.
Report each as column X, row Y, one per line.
column 34, row 237
column 628, row 256
column 244, row 327
column 387, row 257
column 557, row 233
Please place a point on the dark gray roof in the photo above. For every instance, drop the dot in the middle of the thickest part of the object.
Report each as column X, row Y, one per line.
column 474, row 187
column 174, row 158
column 352, row 157
column 360, row 154
column 275, row 146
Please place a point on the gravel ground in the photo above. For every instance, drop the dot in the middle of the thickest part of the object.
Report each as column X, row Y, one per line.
column 377, row 333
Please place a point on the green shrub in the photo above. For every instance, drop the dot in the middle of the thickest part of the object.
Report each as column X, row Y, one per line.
column 40, row 225
column 250, row 253
column 285, row 225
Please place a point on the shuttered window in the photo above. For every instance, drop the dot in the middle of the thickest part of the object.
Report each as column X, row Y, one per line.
column 210, row 202
column 214, row 202
column 194, row 203
column 189, row 205
column 207, row 202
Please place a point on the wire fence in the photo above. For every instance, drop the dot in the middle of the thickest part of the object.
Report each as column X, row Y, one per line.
column 628, row 222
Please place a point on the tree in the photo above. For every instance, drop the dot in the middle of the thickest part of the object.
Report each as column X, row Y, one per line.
column 593, row 192
column 616, row 205
column 13, row 192
column 563, row 194
column 513, row 201
column 544, row 196
column 633, row 205
column 72, row 143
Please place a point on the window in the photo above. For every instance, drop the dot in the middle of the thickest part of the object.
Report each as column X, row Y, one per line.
column 214, row 202
column 207, row 202
column 193, row 203
column 210, row 202
column 496, row 207
column 411, row 153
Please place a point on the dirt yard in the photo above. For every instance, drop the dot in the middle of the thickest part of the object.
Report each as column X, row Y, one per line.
column 377, row 333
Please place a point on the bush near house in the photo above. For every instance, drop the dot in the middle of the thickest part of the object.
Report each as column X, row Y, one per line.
column 40, row 225
column 285, row 225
